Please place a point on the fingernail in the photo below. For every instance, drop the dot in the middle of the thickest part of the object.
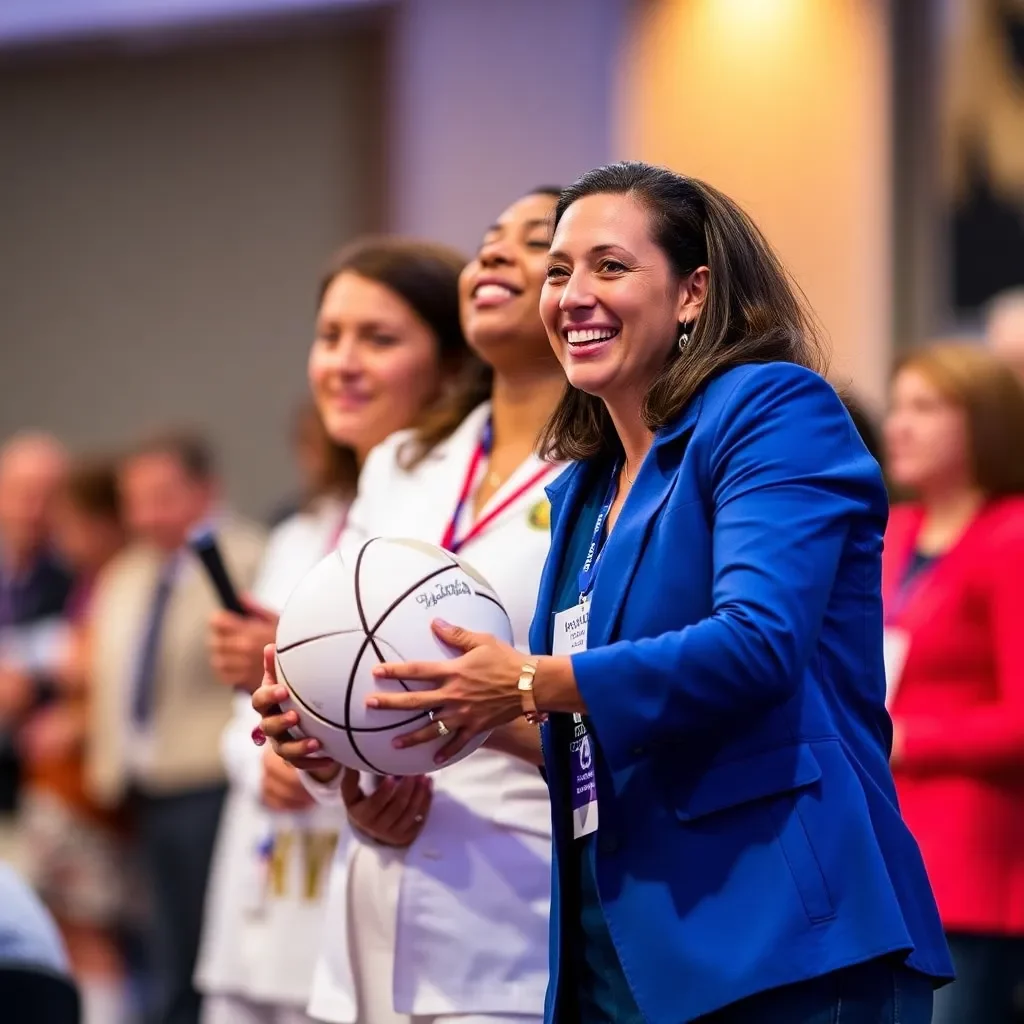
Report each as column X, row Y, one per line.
column 379, row 671
column 442, row 624
column 259, row 737
column 398, row 743
column 312, row 746
column 372, row 702
column 439, row 759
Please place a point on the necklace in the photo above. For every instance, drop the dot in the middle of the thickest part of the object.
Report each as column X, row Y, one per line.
column 625, row 471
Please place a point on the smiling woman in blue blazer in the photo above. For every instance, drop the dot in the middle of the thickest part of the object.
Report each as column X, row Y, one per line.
column 708, row 642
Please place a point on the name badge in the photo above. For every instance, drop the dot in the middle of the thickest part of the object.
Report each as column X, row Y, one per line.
column 570, row 637
column 895, row 644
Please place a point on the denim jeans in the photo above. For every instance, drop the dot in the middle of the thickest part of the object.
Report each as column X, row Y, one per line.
column 878, row 992
column 989, row 974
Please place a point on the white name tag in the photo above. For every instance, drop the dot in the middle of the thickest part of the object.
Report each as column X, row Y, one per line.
column 570, row 637
column 895, row 644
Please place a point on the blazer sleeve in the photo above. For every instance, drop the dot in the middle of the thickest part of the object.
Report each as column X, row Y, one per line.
column 787, row 475
column 988, row 737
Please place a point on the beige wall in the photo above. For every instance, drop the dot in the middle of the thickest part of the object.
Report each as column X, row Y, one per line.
column 784, row 104
column 164, row 218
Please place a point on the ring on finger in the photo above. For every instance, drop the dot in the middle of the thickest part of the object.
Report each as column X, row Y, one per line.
column 418, row 818
column 442, row 729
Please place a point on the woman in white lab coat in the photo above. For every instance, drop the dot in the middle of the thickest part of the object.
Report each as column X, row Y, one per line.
column 439, row 899
column 388, row 351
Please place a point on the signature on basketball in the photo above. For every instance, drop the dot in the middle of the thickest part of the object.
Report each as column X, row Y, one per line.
column 428, row 598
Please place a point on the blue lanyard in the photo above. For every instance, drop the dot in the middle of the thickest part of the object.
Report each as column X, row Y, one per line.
column 588, row 574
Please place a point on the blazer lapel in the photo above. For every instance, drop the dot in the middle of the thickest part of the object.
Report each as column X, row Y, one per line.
column 654, row 483
column 563, row 493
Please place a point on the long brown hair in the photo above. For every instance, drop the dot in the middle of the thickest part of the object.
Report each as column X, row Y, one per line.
column 992, row 399
column 426, row 277
column 753, row 312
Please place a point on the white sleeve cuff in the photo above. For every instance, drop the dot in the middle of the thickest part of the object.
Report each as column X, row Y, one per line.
column 327, row 794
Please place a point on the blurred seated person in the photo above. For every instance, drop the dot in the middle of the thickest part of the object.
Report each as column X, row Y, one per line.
column 952, row 572
column 35, row 987
column 150, row 672
column 78, row 862
column 34, row 587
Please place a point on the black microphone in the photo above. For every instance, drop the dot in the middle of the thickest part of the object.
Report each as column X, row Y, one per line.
column 203, row 542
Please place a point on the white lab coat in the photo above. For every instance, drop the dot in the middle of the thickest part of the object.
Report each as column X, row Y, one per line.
column 261, row 938
column 474, row 888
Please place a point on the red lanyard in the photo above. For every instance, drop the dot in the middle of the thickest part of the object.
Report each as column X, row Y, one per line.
column 454, row 544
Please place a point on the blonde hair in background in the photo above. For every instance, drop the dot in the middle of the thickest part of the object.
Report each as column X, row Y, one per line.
column 992, row 399
column 983, row 101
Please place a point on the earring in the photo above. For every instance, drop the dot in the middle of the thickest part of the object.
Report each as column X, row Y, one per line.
column 683, row 339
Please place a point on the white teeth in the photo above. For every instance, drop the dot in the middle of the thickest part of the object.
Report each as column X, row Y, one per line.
column 582, row 337
column 493, row 291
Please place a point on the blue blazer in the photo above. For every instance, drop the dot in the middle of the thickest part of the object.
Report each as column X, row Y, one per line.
column 749, row 834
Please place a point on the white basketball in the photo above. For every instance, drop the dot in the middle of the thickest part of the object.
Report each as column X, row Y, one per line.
column 351, row 613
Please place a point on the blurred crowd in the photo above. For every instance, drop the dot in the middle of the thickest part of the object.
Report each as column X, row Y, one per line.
column 110, row 808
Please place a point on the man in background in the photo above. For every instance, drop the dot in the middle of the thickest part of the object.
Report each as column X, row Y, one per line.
column 34, row 588
column 158, row 710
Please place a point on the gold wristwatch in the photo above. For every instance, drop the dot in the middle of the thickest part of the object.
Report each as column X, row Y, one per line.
column 525, row 686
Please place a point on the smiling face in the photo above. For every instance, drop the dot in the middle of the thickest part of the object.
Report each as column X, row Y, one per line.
column 612, row 303
column 499, row 290
column 374, row 363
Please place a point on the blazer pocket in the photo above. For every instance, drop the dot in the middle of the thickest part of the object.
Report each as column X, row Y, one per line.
column 768, row 784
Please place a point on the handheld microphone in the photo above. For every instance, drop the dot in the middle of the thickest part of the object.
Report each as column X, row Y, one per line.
column 204, row 543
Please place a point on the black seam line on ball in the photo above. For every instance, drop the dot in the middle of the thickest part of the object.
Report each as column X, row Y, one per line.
column 370, row 640
column 362, row 757
column 319, row 636
column 339, row 725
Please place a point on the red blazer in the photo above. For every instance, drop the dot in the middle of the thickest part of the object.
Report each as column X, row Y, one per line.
column 960, row 703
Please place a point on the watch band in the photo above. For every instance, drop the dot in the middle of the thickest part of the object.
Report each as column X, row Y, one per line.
column 525, row 687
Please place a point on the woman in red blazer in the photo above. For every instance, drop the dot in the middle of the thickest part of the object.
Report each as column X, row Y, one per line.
column 953, row 585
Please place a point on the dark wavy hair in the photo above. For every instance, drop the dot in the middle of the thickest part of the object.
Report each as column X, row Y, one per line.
column 753, row 313
column 426, row 277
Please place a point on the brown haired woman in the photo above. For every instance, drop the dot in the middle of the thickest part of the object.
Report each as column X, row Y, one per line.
column 953, row 575
column 77, row 861
column 439, row 896
column 707, row 642
column 388, row 352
